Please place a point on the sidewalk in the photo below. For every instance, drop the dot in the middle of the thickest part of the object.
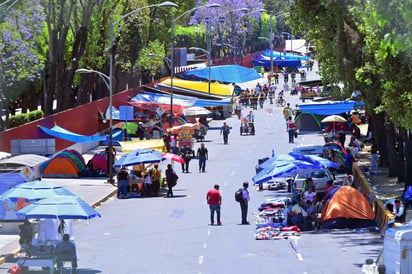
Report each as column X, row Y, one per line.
column 93, row 190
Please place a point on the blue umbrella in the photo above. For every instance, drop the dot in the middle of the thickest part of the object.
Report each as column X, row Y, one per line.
column 59, row 207
column 140, row 156
column 283, row 169
column 35, row 190
column 291, row 157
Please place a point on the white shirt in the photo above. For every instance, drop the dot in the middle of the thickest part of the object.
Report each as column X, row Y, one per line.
column 309, row 196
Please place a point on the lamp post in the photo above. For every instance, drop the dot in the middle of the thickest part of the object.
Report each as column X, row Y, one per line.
column 108, row 80
column 172, row 73
column 234, row 28
column 208, row 56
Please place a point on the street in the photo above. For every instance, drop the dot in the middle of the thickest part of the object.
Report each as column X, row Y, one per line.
column 173, row 235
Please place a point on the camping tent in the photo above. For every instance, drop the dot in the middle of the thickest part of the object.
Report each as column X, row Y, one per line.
column 348, row 208
column 308, row 122
column 99, row 161
column 68, row 163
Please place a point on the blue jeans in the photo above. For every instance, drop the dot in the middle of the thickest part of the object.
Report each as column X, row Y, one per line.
column 243, row 208
column 122, row 188
column 291, row 135
column 214, row 208
column 202, row 163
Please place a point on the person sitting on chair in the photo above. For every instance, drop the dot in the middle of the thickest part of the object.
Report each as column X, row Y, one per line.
column 65, row 251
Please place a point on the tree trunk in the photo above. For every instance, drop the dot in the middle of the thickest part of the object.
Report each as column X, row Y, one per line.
column 401, row 154
column 391, row 148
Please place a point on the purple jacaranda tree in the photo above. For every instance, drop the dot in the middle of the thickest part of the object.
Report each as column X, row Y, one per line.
column 229, row 22
column 21, row 61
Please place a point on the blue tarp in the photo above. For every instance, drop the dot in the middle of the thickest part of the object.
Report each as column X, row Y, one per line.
column 331, row 108
column 62, row 133
column 262, row 60
column 181, row 100
column 223, row 74
column 283, row 55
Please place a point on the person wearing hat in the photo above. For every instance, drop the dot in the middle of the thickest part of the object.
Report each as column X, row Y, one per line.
column 140, row 131
column 122, row 183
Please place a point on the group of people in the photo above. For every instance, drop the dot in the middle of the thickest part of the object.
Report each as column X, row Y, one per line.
column 138, row 181
column 214, row 200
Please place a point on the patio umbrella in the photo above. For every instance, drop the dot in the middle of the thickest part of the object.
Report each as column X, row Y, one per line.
column 283, row 169
column 34, row 191
column 195, row 111
column 140, row 156
column 333, row 119
column 59, row 207
column 293, row 156
column 173, row 157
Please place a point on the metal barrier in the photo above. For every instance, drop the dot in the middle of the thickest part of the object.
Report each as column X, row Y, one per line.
column 382, row 216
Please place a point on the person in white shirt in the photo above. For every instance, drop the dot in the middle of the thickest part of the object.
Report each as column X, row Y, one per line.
column 310, row 195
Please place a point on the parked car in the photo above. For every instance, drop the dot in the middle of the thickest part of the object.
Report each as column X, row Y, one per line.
column 320, row 178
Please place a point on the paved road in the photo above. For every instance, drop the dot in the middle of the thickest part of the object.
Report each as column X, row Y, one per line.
column 172, row 235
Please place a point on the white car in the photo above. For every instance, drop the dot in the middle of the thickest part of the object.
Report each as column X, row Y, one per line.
column 320, row 178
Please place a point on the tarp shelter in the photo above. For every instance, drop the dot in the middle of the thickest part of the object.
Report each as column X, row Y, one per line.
column 223, row 74
column 308, row 122
column 264, row 61
column 157, row 144
column 9, row 180
column 198, row 87
column 66, row 164
column 62, row 133
column 331, row 107
column 348, row 208
column 99, row 161
column 117, row 135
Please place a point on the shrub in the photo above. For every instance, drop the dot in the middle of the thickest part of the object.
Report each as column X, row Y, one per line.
column 19, row 119
column 35, row 115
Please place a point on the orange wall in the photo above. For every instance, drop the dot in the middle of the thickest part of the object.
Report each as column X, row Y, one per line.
column 83, row 120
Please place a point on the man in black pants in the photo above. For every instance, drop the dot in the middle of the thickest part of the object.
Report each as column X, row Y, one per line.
column 244, row 203
column 225, row 130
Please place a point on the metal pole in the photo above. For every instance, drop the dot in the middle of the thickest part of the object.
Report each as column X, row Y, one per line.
column 172, row 73
column 271, row 44
column 209, row 47
column 110, row 152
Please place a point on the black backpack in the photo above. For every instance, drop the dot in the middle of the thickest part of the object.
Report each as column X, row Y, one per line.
column 239, row 195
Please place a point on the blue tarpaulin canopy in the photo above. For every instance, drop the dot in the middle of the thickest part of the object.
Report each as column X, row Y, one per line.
column 283, row 55
column 62, row 133
column 331, row 108
column 262, row 60
column 224, row 74
column 181, row 100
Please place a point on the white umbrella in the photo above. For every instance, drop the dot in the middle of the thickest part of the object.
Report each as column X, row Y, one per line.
column 193, row 111
column 333, row 118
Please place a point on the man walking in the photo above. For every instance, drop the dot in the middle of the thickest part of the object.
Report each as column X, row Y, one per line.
column 225, row 130
column 186, row 153
column 171, row 178
column 214, row 200
column 244, row 203
column 202, row 155
column 291, row 130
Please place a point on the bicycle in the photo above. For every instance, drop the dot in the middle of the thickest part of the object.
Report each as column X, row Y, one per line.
column 280, row 102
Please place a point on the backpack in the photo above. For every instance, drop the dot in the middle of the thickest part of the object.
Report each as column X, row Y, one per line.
column 239, row 195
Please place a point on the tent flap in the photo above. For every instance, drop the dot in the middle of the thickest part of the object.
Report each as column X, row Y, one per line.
column 62, row 133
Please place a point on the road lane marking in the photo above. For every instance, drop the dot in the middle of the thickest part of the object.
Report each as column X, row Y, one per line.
column 208, row 232
column 232, row 173
column 225, row 183
column 249, row 151
column 200, row 260
column 204, row 245
column 300, row 258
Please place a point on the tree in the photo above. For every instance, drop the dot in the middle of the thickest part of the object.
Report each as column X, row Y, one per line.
column 21, row 63
column 151, row 58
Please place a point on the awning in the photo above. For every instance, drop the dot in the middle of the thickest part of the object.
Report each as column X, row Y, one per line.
column 157, row 144
column 331, row 107
column 263, row 60
column 224, row 74
column 29, row 160
column 62, row 133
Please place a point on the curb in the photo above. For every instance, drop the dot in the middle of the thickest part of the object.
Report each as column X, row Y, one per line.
column 5, row 257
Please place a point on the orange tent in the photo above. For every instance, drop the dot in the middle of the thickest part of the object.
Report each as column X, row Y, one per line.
column 61, row 167
column 348, row 208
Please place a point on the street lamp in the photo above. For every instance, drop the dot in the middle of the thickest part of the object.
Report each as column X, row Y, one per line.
column 208, row 56
column 235, row 28
column 108, row 80
column 172, row 74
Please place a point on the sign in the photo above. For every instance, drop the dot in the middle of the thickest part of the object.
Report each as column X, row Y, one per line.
column 27, row 173
column 126, row 113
